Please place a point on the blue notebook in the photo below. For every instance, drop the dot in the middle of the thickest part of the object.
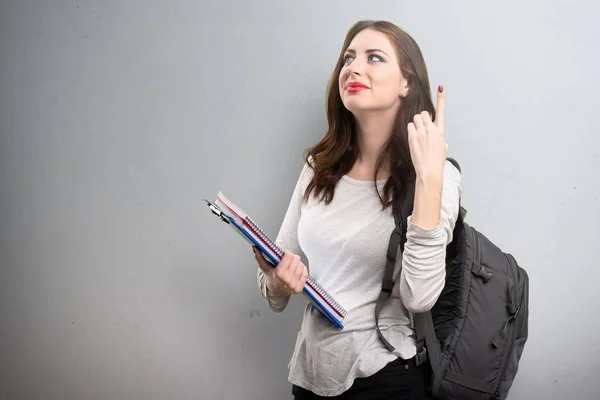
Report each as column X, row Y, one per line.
column 235, row 217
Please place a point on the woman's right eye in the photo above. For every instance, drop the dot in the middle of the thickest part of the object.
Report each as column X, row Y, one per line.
column 347, row 57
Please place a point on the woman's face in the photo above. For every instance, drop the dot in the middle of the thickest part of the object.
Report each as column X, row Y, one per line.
column 370, row 79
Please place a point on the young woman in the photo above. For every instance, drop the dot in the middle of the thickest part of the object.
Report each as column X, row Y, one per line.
column 384, row 132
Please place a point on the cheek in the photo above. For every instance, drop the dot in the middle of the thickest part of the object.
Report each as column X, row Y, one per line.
column 340, row 84
column 390, row 85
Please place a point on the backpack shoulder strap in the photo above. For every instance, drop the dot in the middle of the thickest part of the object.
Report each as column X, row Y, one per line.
column 396, row 244
column 425, row 333
column 426, row 340
column 462, row 213
column 388, row 280
column 454, row 162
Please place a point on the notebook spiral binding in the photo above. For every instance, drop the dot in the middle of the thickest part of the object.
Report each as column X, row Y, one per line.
column 318, row 288
column 278, row 250
column 336, row 306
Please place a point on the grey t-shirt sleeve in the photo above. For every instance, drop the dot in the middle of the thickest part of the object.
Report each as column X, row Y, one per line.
column 424, row 259
column 287, row 239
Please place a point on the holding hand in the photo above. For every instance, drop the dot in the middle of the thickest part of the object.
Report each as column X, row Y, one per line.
column 287, row 278
column 428, row 147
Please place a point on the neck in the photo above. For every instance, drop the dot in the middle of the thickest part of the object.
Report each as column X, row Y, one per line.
column 373, row 130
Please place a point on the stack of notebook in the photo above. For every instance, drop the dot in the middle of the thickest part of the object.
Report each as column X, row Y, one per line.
column 230, row 213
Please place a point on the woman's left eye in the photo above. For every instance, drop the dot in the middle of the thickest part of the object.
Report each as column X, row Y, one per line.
column 374, row 57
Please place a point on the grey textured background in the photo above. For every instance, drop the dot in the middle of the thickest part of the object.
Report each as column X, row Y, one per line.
column 117, row 118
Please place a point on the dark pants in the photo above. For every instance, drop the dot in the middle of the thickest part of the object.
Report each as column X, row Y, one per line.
column 398, row 380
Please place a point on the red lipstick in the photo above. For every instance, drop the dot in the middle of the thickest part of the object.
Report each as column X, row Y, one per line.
column 356, row 86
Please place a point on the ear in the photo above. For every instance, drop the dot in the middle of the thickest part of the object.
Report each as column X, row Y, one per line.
column 404, row 87
column 404, row 91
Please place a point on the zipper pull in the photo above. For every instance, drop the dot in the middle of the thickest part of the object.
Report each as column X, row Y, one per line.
column 500, row 336
column 497, row 394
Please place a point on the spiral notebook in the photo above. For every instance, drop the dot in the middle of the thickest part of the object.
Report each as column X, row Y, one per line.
column 231, row 214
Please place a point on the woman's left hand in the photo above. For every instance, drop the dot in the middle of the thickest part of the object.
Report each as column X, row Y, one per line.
column 428, row 147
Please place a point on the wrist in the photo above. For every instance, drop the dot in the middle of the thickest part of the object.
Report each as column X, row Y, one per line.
column 430, row 180
column 427, row 202
column 273, row 288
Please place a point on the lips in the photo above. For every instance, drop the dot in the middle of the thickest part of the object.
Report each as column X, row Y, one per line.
column 356, row 87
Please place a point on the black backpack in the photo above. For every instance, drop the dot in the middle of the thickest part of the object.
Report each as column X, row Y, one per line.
column 473, row 337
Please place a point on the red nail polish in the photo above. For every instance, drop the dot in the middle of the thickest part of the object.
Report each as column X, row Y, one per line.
column 440, row 88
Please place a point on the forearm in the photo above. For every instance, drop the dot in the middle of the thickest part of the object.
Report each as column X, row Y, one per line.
column 429, row 231
column 423, row 267
column 428, row 202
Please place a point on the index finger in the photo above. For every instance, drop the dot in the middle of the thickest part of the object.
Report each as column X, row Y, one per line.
column 440, row 108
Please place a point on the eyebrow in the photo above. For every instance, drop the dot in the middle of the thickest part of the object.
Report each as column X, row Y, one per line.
column 352, row 51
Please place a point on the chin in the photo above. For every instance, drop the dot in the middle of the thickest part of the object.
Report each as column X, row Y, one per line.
column 355, row 104
column 358, row 107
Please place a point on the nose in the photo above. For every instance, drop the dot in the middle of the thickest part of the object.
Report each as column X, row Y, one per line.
column 356, row 67
column 352, row 72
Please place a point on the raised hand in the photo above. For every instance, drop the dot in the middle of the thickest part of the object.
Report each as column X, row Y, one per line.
column 427, row 142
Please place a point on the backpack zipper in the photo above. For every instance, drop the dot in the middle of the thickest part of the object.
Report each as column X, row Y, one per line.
column 506, row 355
column 512, row 319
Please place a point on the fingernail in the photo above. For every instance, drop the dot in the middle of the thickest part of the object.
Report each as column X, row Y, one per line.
column 440, row 88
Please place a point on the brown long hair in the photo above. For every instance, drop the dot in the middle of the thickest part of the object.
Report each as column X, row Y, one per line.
column 335, row 154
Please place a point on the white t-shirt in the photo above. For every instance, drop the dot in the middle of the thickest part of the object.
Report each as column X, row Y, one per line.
column 345, row 244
